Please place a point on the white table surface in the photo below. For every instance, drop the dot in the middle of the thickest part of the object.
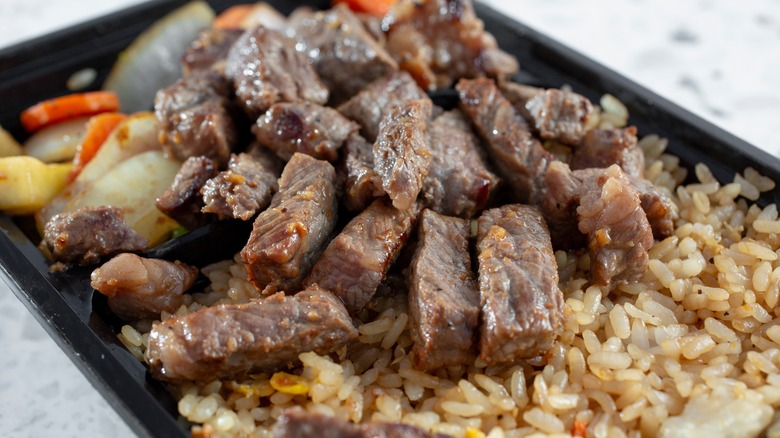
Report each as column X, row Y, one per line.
column 720, row 60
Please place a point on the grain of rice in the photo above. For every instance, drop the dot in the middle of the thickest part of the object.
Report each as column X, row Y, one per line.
column 546, row 422
column 395, row 331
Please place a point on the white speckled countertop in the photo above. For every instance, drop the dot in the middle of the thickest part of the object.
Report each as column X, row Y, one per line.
column 718, row 59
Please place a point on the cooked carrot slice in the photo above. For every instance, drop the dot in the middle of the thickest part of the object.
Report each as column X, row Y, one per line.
column 66, row 107
column 231, row 18
column 580, row 428
column 377, row 8
column 99, row 127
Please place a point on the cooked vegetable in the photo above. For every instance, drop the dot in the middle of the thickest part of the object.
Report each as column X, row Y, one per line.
column 247, row 16
column 67, row 107
column 58, row 142
column 97, row 131
column 377, row 8
column 232, row 17
column 27, row 183
column 152, row 61
column 133, row 185
column 135, row 135
column 8, row 145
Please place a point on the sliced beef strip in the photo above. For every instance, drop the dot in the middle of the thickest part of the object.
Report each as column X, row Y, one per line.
column 342, row 51
column 245, row 188
column 289, row 236
column 209, row 50
column 459, row 182
column 370, row 105
column 441, row 41
column 611, row 215
column 443, row 295
column 560, row 115
column 356, row 173
column 522, row 307
column 140, row 288
column 265, row 68
column 304, row 127
column 298, row 423
column 194, row 117
column 182, row 201
column 87, row 234
column 519, row 157
column 357, row 260
column 401, row 154
column 604, row 147
column 232, row 340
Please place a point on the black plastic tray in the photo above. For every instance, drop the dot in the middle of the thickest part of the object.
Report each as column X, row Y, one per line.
column 78, row 321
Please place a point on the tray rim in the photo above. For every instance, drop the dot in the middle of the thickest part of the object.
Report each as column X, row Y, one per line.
column 79, row 341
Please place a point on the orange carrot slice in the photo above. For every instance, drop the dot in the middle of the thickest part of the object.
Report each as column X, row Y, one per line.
column 99, row 127
column 232, row 17
column 377, row 8
column 66, row 107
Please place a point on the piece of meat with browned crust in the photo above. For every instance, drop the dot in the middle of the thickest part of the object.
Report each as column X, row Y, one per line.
column 441, row 41
column 265, row 68
column 356, row 260
column 658, row 207
column 140, row 288
column 519, row 157
column 559, row 202
column 522, row 307
column 182, row 200
column 245, row 188
column 443, row 295
column 611, row 215
column 401, row 154
column 232, row 340
column 459, row 182
column 295, row 422
column 519, row 95
column 304, row 127
column 209, row 50
column 194, row 117
column 84, row 236
column 289, row 236
column 340, row 48
column 370, row 105
column 356, row 173
column 559, row 115
column 601, row 148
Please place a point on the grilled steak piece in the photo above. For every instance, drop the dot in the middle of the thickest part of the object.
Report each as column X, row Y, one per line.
column 604, row 147
column 209, row 50
column 342, row 51
column 356, row 172
column 231, row 340
column 522, row 307
column 519, row 157
column 519, row 95
column 87, row 234
column 141, row 288
column 443, row 296
column 289, row 236
column 303, row 127
column 459, row 182
column 611, row 215
column 559, row 115
column 401, row 154
column 441, row 41
column 357, row 260
column 559, row 201
column 194, row 117
column 298, row 423
column 657, row 206
column 265, row 68
column 245, row 188
column 182, row 201
column 370, row 105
